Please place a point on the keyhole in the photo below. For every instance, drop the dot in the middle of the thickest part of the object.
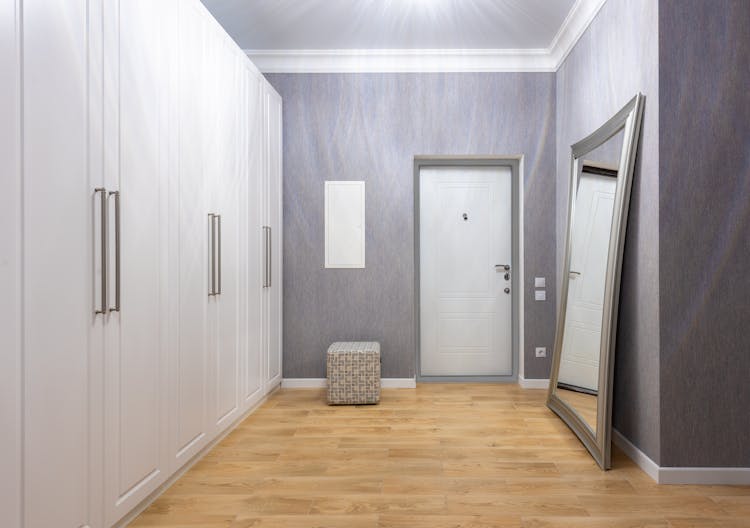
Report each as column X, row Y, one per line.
column 466, row 217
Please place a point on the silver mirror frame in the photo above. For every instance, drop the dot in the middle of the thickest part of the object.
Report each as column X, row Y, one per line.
column 599, row 443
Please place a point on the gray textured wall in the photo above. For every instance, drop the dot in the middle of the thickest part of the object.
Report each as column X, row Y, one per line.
column 704, row 229
column 369, row 127
column 616, row 57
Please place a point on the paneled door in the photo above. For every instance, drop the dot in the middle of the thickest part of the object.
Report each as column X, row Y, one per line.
column 189, row 362
column 272, row 243
column 252, row 362
column 595, row 198
column 136, row 34
column 225, row 180
column 275, row 243
column 465, row 257
column 62, row 334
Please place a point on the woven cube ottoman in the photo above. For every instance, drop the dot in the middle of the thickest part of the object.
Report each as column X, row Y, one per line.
column 353, row 373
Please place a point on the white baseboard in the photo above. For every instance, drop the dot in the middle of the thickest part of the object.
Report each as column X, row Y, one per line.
column 304, row 383
column 398, row 383
column 533, row 383
column 640, row 458
column 321, row 383
column 681, row 475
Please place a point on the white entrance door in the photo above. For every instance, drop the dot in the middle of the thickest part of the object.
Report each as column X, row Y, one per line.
column 579, row 365
column 465, row 297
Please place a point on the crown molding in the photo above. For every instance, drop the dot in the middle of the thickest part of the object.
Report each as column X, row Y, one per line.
column 572, row 29
column 434, row 60
column 399, row 60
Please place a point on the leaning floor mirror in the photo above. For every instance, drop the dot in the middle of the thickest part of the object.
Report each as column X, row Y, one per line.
column 581, row 381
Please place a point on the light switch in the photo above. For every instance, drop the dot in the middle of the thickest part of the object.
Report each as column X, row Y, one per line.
column 540, row 282
column 541, row 351
column 540, row 295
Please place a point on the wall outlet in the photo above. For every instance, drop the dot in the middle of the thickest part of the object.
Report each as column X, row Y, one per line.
column 540, row 282
column 541, row 351
column 540, row 295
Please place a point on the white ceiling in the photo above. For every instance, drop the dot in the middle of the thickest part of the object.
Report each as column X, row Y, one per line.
column 405, row 35
column 391, row 24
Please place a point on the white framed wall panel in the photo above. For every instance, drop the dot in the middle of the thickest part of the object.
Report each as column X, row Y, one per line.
column 344, row 224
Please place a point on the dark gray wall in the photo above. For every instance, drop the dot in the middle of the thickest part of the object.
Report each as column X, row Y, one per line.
column 615, row 58
column 704, row 232
column 369, row 127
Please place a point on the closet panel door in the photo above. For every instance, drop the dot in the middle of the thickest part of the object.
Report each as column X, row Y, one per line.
column 226, row 182
column 276, row 223
column 10, row 263
column 253, row 378
column 135, row 417
column 59, row 285
column 189, row 416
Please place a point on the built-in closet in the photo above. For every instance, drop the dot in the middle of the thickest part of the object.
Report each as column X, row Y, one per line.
column 144, row 149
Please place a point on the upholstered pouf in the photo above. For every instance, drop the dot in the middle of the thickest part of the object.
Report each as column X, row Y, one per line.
column 353, row 373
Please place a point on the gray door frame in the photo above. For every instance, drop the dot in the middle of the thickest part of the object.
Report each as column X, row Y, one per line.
column 515, row 163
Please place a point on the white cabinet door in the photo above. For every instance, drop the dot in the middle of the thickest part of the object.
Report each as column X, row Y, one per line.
column 224, row 176
column 272, row 243
column 61, row 331
column 135, row 382
column 253, row 361
column 10, row 264
column 275, row 222
column 189, row 362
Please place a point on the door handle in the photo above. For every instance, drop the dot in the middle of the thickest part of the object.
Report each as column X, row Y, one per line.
column 270, row 257
column 266, row 257
column 217, row 219
column 575, row 273
column 104, row 221
column 116, row 307
column 504, row 267
column 211, row 255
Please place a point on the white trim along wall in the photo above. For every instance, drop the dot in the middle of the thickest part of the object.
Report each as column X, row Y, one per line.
column 320, row 383
column 733, row 476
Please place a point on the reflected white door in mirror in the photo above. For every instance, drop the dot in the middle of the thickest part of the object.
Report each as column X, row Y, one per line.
column 581, row 379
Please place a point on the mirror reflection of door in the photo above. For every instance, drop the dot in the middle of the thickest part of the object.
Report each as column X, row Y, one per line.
column 579, row 365
column 590, row 235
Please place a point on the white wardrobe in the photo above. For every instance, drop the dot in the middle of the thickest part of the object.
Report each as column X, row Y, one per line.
column 141, row 251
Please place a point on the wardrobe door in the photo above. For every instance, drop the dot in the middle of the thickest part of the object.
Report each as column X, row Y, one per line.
column 253, row 379
column 60, row 250
column 189, row 362
column 10, row 263
column 135, row 382
column 275, row 222
column 224, row 172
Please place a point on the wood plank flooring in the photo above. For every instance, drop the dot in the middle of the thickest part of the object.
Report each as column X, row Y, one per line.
column 440, row 456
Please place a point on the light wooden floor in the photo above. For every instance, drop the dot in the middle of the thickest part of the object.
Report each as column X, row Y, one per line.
column 440, row 456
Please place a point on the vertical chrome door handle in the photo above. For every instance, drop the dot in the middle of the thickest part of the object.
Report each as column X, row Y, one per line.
column 211, row 255
column 266, row 244
column 270, row 257
column 217, row 219
column 116, row 307
column 104, row 309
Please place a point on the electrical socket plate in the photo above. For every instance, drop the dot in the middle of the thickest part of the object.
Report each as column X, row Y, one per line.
column 541, row 351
